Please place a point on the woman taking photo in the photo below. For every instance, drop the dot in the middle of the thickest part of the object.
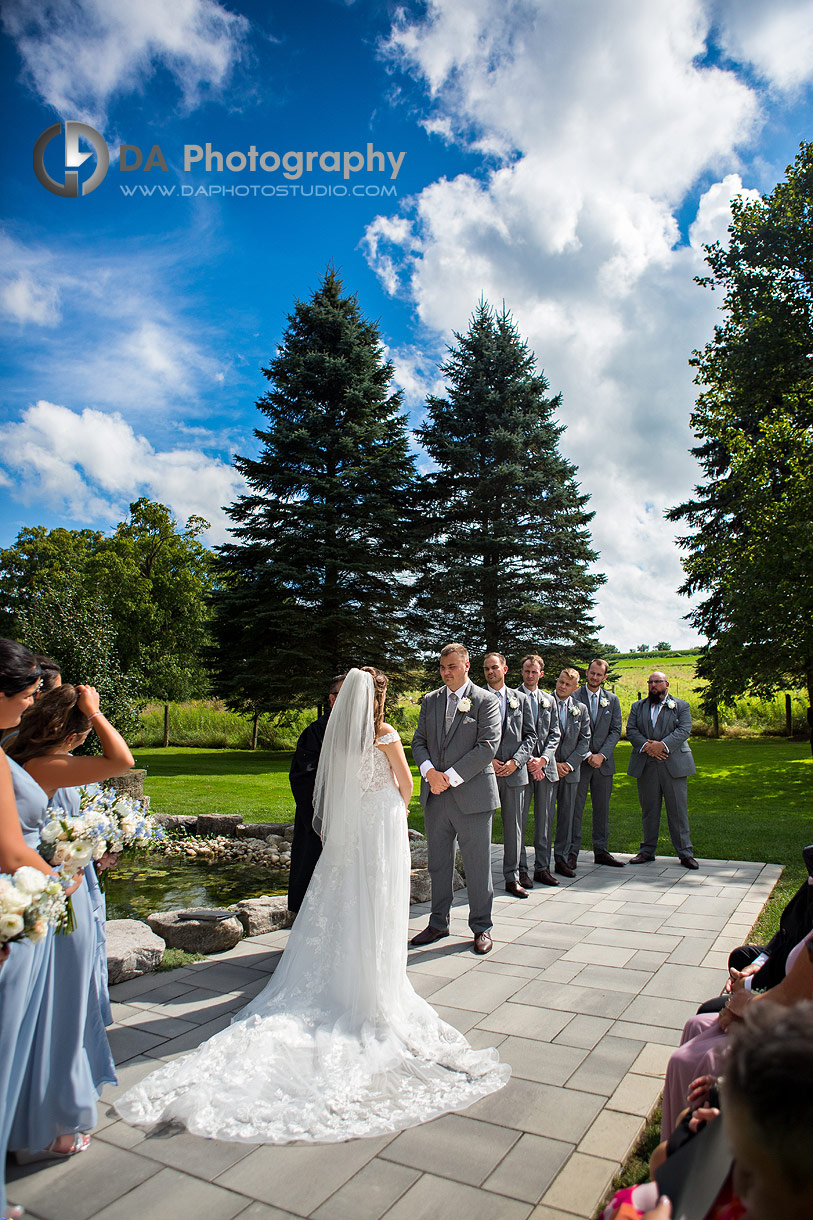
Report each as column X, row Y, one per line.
column 70, row 1059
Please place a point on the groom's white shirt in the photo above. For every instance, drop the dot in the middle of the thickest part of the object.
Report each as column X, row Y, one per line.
column 452, row 776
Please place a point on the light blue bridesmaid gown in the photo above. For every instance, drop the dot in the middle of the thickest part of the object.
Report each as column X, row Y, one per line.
column 23, row 980
column 70, row 1059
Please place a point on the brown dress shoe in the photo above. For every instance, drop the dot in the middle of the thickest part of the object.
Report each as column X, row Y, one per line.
column 513, row 887
column 562, row 867
column 689, row 862
column 482, row 943
column 642, row 859
column 428, row 936
column 544, row 877
column 525, row 881
column 604, row 857
column 572, row 861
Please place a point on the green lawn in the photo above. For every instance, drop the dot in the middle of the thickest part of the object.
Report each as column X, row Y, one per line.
column 751, row 798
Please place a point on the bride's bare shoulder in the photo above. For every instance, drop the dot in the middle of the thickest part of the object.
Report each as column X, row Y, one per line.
column 387, row 736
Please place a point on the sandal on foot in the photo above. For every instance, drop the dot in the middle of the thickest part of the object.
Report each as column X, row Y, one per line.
column 81, row 1142
column 14, row 1213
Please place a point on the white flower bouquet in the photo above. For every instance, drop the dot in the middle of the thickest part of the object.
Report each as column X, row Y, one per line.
column 123, row 822
column 30, row 903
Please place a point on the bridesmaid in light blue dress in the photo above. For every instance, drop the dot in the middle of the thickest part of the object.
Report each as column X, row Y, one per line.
column 24, row 973
column 53, row 1101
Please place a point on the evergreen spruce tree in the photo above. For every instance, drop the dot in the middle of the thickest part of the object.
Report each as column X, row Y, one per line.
column 507, row 550
column 313, row 581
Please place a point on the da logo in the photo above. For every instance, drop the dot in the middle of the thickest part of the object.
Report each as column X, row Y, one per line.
column 73, row 159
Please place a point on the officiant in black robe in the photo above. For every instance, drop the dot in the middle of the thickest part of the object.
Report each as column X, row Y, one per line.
column 306, row 846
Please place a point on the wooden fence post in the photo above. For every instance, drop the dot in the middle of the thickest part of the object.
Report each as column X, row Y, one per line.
column 788, row 717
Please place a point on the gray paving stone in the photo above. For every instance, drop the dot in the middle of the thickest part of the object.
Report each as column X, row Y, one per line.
column 695, row 983
column 592, row 920
column 613, row 978
column 260, row 1211
column 606, row 1066
column 203, row 1004
column 631, row 939
column 454, row 1146
column 692, row 950
column 228, row 976
column 78, row 1188
column 572, row 998
column 463, row 1019
column 163, row 991
column 172, row 1145
column 478, row 991
column 426, row 984
column 533, row 956
column 432, row 1197
column 585, row 1032
column 174, row 1194
column 299, row 1177
column 191, row 1039
column 528, row 1169
column 646, row 959
column 560, row 972
column 524, row 973
column 542, row 1109
column 662, row 1035
column 525, row 1020
column 589, row 953
column 370, row 1193
column 154, row 1021
column 448, row 963
column 583, row 1180
column 545, row 1062
column 135, row 989
column 555, row 936
column 127, row 1042
column 653, row 1010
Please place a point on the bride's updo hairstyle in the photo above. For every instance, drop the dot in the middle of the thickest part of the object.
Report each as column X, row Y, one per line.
column 380, row 684
column 47, row 723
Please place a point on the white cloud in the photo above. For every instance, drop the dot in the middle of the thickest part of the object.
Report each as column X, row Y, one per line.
column 30, row 287
column 89, row 465
column 776, row 39
column 78, row 54
column 607, row 118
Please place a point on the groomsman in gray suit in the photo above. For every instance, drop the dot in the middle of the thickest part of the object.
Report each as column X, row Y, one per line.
column 511, row 764
column 604, row 711
column 542, row 772
column 455, row 742
column 658, row 728
column 573, row 748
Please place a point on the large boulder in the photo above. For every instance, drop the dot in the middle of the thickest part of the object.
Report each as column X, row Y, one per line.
column 420, row 884
column 261, row 830
column 131, row 783
column 187, row 823
column 212, row 824
column 132, row 949
column 265, row 914
column 181, row 930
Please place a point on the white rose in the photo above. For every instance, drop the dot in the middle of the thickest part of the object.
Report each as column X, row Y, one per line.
column 30, row 880
column 11, row 926
column 82, row 856
column 51, row 832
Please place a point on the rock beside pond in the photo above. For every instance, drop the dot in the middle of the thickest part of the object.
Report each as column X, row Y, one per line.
column 186, row 823
column 261, row 830
column 420, row 884
column 196, row 935
column 274, row 853
column 219, row 824
column 132, row 949
column 265, row 914
column 131, row 783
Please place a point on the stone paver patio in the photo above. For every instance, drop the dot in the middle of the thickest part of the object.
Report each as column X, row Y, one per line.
column 585, row 994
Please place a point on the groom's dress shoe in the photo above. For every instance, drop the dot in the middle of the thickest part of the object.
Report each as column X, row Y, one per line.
column 572, row 861
column 562, row 867
column 642, row 859
column 525, row 881
column 482, row 943
column 513, row 887
column 604, row 857
column 428, row 936
column 544, row 876
column 689, row 862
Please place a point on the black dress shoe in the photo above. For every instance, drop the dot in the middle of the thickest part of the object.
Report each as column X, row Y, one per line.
column 513, row 887
column 642, row 859
column 428, row 936
column 482, row 943
column 689, row 862
column 544, row 877
column 564, row 869
column 604, row 857
column 572, row 860
column 525, row 881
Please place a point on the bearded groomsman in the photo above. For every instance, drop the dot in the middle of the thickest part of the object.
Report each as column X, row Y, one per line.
column 542, row 772
column 573, row 748
column 604, row 712
column 454, row 744
column 658, row 728
column 510, row 765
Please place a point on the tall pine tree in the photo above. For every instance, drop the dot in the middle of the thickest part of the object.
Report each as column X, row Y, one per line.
column 507, row 550
column 314, row 581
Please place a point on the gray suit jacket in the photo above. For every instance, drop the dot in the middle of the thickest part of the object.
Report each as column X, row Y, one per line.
column 548, row 731
column 605, row 734
column 518, row 737
column 575, row 742
column 469, row 748
column 673, row 726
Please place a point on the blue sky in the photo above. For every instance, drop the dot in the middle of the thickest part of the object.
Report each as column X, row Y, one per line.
column 569, row 159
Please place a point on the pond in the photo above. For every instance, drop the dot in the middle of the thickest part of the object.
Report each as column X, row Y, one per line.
column 144, row 883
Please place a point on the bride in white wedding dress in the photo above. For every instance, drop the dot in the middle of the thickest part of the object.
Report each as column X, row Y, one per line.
column 338, row 1044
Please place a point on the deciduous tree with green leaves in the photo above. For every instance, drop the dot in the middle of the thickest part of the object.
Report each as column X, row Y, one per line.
column 750, row 549
column 315, row 580
column 507, row 553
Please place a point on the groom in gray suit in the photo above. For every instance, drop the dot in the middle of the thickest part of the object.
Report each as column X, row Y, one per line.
column 598, row 768
column 454, row 744
column 511, row 765
column 658, row 728
column 573, row 748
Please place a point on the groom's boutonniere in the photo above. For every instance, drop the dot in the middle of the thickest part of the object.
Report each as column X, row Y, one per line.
column 464, row 704
column 604, row 701
column 671, row 703
column 575, row 709
column 513, row 703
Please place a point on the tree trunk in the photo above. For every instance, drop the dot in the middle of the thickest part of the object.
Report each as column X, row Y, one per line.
column 255, row 730
column 165, row 742
column 788, row 717
column 809, row 684
column 715, row 721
